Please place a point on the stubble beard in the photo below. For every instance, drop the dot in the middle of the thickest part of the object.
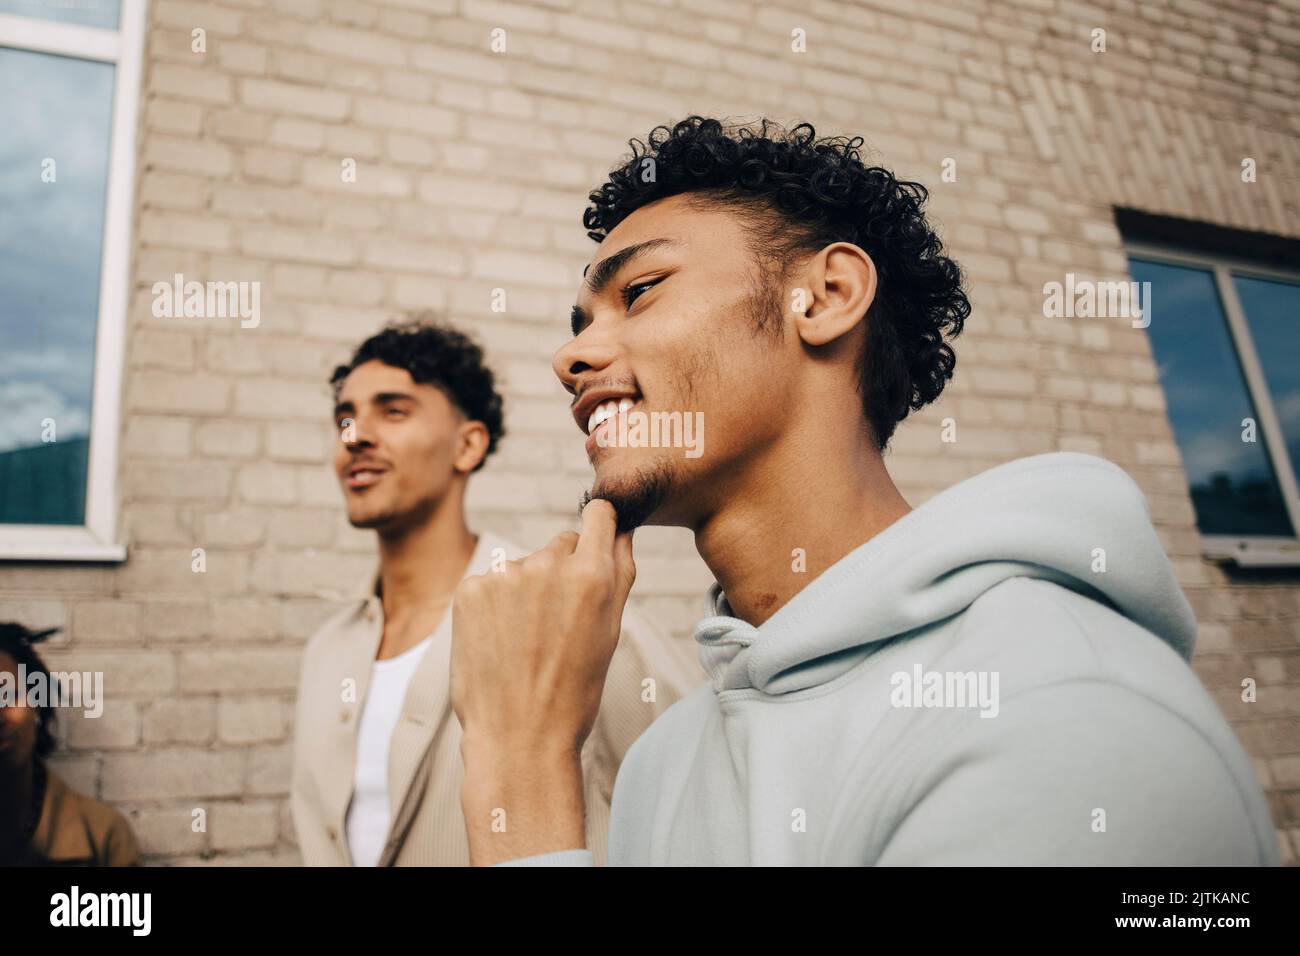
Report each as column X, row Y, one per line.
column 638, row 497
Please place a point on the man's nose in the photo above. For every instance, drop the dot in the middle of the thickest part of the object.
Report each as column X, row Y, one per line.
column 589, row 352
column 355, row 433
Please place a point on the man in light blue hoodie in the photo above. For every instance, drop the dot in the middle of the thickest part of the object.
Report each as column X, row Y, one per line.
column 999, row 676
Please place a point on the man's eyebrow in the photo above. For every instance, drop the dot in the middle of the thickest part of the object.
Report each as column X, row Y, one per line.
column 383, row 398
column 601, row 276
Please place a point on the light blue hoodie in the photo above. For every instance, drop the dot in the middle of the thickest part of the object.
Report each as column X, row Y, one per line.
column 1040, row 589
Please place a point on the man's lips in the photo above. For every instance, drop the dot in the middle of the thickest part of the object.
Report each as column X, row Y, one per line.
column 593, row 398
column 363, row 476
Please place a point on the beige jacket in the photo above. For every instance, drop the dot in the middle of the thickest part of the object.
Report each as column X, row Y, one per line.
column 77, row 830
column 426, row 825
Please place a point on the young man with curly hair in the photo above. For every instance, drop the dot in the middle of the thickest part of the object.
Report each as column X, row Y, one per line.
column 377, row 771
column 998, row 676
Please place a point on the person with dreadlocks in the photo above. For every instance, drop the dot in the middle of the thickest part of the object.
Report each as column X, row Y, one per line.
column 43, row 821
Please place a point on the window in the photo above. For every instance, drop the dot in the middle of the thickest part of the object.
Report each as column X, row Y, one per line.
column 70, row 71
column 1226, row 335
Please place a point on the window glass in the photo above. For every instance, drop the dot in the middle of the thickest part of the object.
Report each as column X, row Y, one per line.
column 1234, row 487
column 54, row 153
column 1273, row 314
column 86, row 13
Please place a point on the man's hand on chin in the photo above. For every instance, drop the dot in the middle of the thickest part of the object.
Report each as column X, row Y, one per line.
column 530, row 648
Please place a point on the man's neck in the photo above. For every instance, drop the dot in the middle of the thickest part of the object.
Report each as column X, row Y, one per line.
column 771, row 537
column 420, row 568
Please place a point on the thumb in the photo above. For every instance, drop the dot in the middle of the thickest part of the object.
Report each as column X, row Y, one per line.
column 624, row 564
column 599, row 525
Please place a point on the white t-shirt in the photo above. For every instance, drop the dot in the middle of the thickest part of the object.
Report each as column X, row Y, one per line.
column 368, row 815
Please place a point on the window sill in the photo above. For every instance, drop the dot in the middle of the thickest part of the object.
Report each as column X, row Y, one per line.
column 1254, row 553
column 22, row 542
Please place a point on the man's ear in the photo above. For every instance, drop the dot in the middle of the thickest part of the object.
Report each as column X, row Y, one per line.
column 842, row 285
column 471, row 446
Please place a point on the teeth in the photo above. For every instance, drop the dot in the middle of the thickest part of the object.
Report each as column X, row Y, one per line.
column 607, row 410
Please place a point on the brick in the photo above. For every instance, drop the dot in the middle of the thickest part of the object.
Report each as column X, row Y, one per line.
column 228, row 439
column 161, row 348
column 173, row 774
column 272, row 165
column 177, row 481
column 361, row 45
column 157, row 437
column 239, row 671
column 388, row 114
column 485, row 67
column 167, row 832
column 276, row 97
column 187, row 156
column 151, row 391
column 246, row 720
column 246, row 619
column 181, row 720
column 109, row 621
column 118, row 727
column 169, row 573
column 191, row 83
column 155, row 524
column 163, row 190
column 125, row 673
column 37, row 614
column 269, row 398
column 297, row 133
column 311, row 573
column 302, row 528
column 187, row 15
column 173, row 116
column 174, row 620
column 241, row 126
column 186, row 231
column 242, row 58
column 300, row 442
column 278, row 244
column 243, row 826
column 237, row 529
column 370, row 179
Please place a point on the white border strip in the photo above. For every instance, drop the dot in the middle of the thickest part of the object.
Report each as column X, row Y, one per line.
column 114, row 286
column 64, row 39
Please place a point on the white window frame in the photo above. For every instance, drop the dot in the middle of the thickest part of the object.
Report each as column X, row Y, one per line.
column 95, row 539
column 1245, row 550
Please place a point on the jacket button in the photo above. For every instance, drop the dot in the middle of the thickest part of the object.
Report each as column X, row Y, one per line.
column 333, row 833
column 344, row 714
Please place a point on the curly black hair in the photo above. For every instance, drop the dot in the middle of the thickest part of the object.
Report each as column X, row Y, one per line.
column 435, row 353
column 801, row 194
column 19, row 643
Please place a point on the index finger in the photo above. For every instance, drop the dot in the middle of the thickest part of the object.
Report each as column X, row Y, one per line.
column 599, row 522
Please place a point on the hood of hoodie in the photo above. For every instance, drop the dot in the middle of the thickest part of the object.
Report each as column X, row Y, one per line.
column 1041, row 517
